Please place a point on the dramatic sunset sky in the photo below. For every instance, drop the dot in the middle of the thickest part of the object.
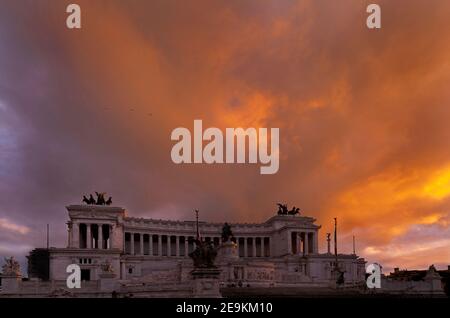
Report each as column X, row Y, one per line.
column 364, row 116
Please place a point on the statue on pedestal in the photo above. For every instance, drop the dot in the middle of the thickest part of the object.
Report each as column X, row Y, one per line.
column 227, row 234
column 205, row 273
column 204, row 254
column 228, row 250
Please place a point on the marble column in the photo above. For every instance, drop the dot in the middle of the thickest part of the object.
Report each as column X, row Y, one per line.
column 289, row 242
column 160, row 245
column 306, row 246
column 132, row 243
column 186, row 246
column 141, row 244
column 88, row 236
column 298, row 242
column 245, row 247
column 75, row 235
column 177, row 240
column 150, row 244
column 262, row 246
column 69, row 234
column 169, row 247
column 316, row 243
column 111, row 236
column 100, row 237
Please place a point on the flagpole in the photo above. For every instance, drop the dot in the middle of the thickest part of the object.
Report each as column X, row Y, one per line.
column 335, row 242
column 48, row 238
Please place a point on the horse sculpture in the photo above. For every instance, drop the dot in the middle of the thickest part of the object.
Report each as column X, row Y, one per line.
column 283, row 210
column 100, row 199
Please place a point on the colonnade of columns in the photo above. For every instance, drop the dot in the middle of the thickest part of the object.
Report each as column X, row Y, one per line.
column 157, row 245
column 253, row 246
column 91, row 235
column 100, row 236
column 302, row 242
column 180, row 245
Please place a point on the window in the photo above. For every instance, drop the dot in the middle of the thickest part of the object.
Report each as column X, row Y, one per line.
column 85, row 260
column 85, row 274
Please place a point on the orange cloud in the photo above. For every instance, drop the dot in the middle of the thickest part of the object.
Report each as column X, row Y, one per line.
column 363, row 115
column 16, row 228
column 385, row 207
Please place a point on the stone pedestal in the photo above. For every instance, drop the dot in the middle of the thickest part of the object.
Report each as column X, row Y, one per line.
column 11, row 283
column 206, row 282
column 227, row 259
column 108, row 282
column 227, row 252
column 337, row 278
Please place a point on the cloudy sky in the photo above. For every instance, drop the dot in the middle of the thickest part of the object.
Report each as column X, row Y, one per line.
column 364, row 116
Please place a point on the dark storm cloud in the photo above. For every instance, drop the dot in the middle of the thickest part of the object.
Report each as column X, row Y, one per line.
column 363, row 115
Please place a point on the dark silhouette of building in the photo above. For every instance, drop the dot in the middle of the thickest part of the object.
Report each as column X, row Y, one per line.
column 39, row 264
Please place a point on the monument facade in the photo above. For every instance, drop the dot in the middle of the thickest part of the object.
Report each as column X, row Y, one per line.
column 284, row 250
